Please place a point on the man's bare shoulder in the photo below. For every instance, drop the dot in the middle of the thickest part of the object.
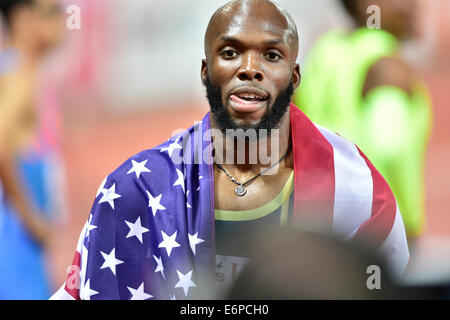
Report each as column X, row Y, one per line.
column 390, row 71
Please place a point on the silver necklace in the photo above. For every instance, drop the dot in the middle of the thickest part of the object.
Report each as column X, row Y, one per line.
column 241, row 190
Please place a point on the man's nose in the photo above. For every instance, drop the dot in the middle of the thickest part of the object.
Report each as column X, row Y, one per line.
column 250, row 69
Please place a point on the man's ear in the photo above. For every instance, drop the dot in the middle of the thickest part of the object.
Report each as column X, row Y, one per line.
column 296, row 76
column 204, row 71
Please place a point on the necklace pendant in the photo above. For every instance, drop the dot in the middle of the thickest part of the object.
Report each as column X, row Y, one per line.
column 240, row 190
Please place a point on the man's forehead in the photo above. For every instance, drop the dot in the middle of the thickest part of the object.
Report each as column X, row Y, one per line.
column 250, row 17
column 240, row 25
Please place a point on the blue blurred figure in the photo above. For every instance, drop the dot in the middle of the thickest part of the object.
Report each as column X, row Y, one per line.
column 28, row 148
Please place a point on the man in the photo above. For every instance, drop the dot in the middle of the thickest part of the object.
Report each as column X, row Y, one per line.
column 358, row 84
column 28, row 148
column 160, row 219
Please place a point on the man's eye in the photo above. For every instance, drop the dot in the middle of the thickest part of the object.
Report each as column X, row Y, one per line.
column 273, row 56
column 229, row 53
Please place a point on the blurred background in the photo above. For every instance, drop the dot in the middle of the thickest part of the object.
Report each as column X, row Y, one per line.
column 130, row 76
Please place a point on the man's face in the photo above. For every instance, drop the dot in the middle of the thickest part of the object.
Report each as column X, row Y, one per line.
column 251, row 55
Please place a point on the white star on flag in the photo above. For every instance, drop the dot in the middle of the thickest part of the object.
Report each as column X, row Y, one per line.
column 87, row 292
column 198, row 124
column 170, row 149
column 180, row 180
column 193, row 241
column 139, row 294
column 185, row 282
column 159, row 267
column 109, row 195
column 102, row 185
column 136, row 229
column 90, row 226
column 138, row 167
column 169, row 242
column 110, row 261
column 173, row 297
column 155, row 203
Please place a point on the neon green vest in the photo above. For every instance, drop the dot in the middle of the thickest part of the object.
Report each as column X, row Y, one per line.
column 388, row 125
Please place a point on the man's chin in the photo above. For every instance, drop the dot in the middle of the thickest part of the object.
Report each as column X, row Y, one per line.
column 245, row 124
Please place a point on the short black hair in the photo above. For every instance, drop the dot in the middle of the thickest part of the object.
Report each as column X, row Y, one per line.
column 349, row 5
column 8, row 6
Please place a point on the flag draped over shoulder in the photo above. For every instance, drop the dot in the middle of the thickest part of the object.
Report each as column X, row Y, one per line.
column 150, row 233
column 336, row 185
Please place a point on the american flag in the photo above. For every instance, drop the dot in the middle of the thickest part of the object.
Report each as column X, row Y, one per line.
column 150, row 233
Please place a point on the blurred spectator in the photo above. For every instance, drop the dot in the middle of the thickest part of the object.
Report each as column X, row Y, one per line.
column 293, row 264
column 357, row 84
column 29, row 161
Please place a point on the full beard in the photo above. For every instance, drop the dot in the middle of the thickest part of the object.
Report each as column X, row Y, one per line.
column 270, row 120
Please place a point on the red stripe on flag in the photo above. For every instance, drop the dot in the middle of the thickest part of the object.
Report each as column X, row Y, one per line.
column 384, row 208
column 73, row 279
column 314, row 180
